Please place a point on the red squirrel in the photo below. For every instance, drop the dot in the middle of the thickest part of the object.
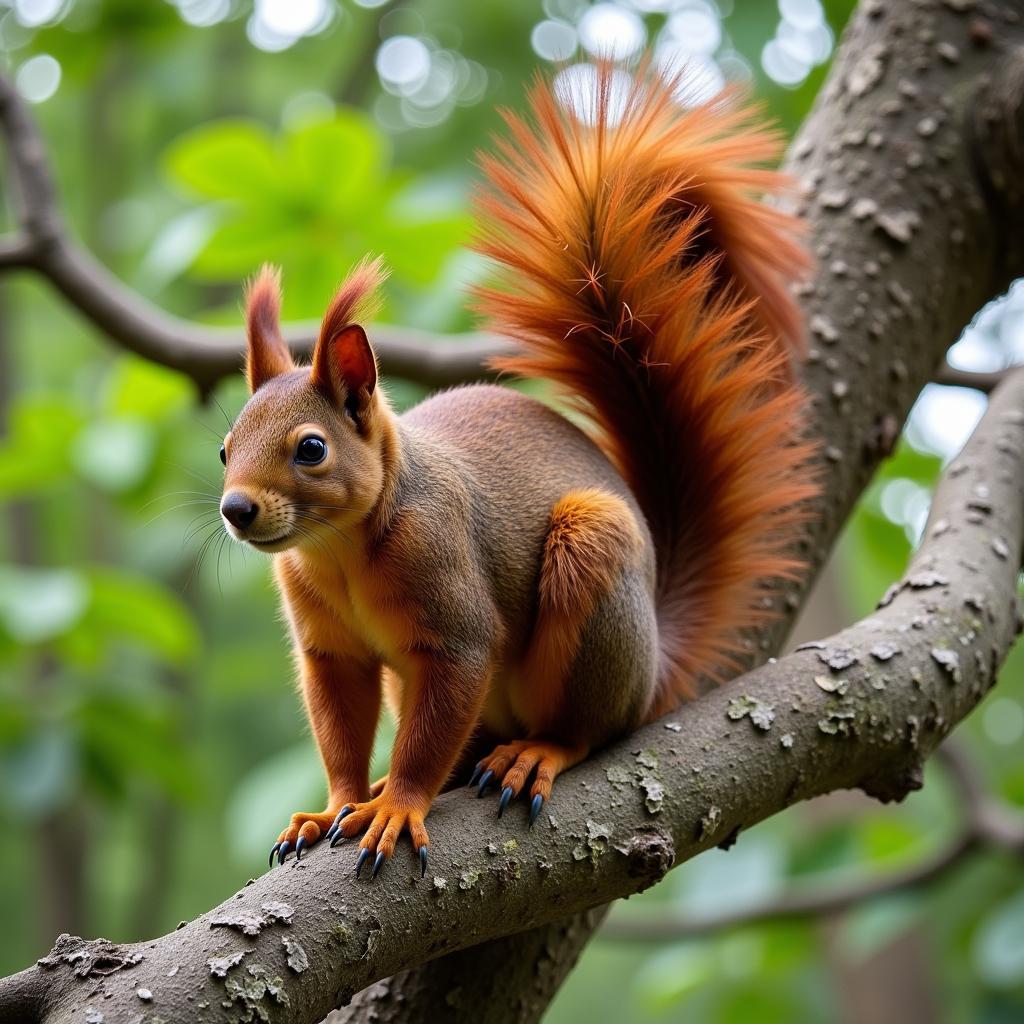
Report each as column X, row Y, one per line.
column 516, row 585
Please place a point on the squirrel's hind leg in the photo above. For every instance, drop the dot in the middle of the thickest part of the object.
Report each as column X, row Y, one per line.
column 589, row 673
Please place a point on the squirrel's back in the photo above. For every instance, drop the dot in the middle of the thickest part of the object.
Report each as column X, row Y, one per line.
column 643, row 276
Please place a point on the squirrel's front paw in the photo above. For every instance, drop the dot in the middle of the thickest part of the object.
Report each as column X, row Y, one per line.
column 384, row 818
column 302, row 832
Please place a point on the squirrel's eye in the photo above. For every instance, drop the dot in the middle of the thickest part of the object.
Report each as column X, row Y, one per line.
column 310, row 451
column 223, row 455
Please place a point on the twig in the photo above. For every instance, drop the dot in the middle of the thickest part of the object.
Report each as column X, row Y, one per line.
column 952, row 376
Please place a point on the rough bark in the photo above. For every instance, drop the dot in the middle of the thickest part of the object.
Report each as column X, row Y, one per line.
column 455, row 988
column 909, row 167
column 987, row 824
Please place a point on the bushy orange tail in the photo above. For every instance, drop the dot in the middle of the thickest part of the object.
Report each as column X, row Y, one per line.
column 643, row 277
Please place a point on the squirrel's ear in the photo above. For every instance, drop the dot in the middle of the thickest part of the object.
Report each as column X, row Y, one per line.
column 345, row 369
column 267, row 355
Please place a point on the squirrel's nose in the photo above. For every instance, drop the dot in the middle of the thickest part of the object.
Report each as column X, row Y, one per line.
column 239, row 510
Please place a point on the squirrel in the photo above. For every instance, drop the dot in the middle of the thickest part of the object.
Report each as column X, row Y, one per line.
column 519, row 584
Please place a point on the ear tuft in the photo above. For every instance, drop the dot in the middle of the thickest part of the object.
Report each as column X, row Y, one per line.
column 358, row 298
column 344, row 367
column 267, row 355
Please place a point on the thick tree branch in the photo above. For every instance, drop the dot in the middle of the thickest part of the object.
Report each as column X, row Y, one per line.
column 480, row 981
column 988, row 825
column 910, row 231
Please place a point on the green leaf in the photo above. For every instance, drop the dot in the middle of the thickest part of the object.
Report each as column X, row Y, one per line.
column 339, row 161
column 761, row 1002
column 36, row 452
column 245, row 239
column 39, row 604
column 266, row 798
column 323, row 197
column 125, row 606
column 176, row 246
column 829, row 848
column 417, row 251
column 225, row 159
column 124, row 738
column 888, row 838
column 136, row 387
column 673, row 973
column 999, row 944
column 115, row 454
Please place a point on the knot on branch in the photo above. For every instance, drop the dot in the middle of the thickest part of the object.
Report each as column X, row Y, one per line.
column 895, row 783
column 650, row 854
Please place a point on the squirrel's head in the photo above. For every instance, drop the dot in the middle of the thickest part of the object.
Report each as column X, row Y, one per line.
column 304, row 457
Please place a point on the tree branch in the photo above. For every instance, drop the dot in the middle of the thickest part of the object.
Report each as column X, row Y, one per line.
column 989, row 824
column 480, row 981
column 953, row 376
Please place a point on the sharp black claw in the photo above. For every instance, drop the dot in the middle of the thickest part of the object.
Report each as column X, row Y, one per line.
column 273, row 852
column 484, row 780
column 378, row 863
column 299, row 847
column 536, row 804
column 477, row 772
column 423, row 861
column 364, row 856
column 330, row 832
column 338, row 837
column 506, row 795
column 283, row 852
column 347, row 809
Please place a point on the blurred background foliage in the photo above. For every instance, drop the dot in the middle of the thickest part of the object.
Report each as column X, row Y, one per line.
column 151, row 743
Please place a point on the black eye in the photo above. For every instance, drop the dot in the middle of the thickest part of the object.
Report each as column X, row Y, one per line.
column 223, row 455
column 310, row 451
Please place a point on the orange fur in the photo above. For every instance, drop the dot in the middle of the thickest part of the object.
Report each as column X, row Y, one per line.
column 344, row 366
column 268, row 354
column 506, row 574
column 591, row 538
column 513, row 763
column 342, row 699
column 356, row 299
column 643, row 277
